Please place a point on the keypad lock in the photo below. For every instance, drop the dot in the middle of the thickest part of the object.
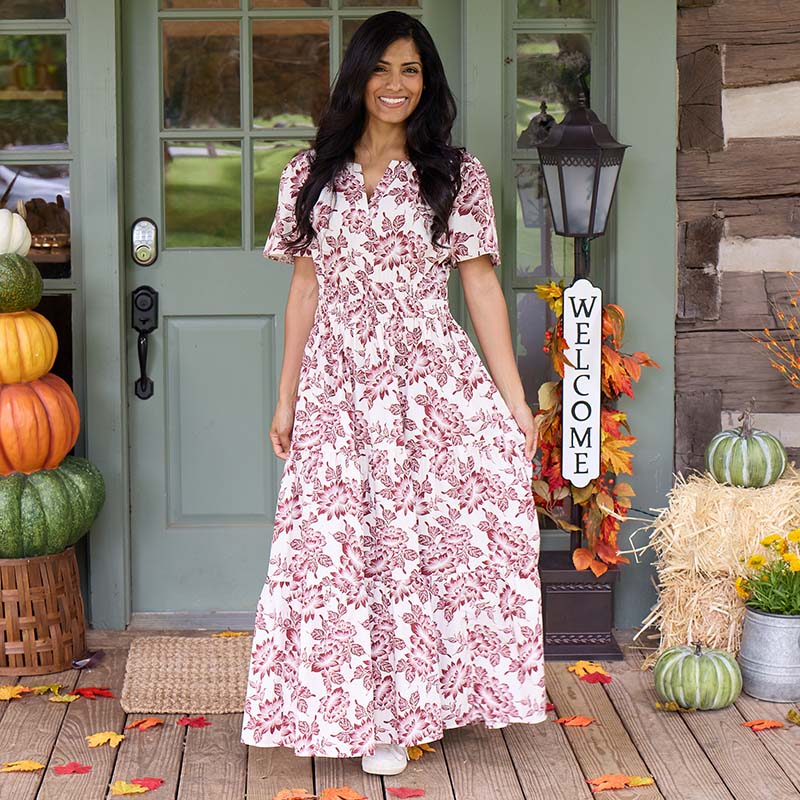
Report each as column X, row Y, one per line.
column 144, row 241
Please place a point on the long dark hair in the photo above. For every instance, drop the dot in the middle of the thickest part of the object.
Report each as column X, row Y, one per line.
column 437, row 162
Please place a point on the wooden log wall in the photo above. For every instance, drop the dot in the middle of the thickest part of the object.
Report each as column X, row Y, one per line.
column 738, row 215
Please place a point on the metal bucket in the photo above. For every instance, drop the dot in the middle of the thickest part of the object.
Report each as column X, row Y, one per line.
column 770, row 656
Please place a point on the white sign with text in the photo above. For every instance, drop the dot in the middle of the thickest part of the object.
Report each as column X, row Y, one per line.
column 580, row 445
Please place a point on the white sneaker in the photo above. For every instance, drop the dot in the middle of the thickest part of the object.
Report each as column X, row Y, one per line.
column 389, row 759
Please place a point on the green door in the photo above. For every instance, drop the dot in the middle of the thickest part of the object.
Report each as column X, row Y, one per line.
column 218, row 95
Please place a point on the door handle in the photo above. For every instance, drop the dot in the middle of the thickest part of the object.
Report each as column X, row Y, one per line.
column 144, row 319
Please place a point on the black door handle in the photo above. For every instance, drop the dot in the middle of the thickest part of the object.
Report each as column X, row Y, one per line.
column 144, row 318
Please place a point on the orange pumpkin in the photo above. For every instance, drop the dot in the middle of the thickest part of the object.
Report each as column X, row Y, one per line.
column 39, row 424
column 28, row 346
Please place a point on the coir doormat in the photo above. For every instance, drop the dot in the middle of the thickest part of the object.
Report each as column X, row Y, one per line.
column 186, row 675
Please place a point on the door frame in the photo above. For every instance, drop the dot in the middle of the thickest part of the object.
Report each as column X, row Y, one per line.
column 645, row 218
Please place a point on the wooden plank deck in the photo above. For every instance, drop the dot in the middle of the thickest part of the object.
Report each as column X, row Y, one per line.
column 693, row 756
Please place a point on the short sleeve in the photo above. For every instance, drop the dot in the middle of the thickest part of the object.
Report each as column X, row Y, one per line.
column 283, row 226
column 472, row 226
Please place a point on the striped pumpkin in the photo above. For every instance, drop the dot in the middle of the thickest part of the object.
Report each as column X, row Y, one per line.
column 697, row 678
column 746, row 456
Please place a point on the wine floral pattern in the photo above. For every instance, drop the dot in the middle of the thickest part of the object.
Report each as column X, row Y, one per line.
column 402, row 596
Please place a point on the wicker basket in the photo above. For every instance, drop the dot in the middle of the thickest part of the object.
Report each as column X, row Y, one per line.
column 42, row 624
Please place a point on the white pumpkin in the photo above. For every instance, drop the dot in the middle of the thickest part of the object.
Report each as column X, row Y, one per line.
column 14, row 234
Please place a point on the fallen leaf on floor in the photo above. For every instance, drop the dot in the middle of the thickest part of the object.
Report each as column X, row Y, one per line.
column 341, row 793
column 586, row 668
column 193, row 722
column 575, row 720
column 93, row 691
column 415, row 751
column 762, row 724
column 148, row 783
column 549, row 707
column 63, row 698
column 671, row 705
column 111, row 737
column 229, row 634
column 617, row 781
column 404, row 791
column 793, row 715
column 13, row 692
column 144, row 724
column 72, row 767
column 21, row 766
column 55, row 688
column 596, row 677
column 122, row 787
column 292, row 794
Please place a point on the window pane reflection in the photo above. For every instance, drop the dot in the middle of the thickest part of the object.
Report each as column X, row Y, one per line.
column 349, row 27
column 535, row 368
column 547, row 9
column 203, row 194
column 168, row 4
column 201, row 74
column 547, row 69
column 269, row 159
column 44, row 189
column 32, row 9
column 33, row 91
column 290, row 72
column 541, row 254
column 289, row 3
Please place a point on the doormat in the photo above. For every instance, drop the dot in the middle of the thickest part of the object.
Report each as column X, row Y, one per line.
column 186, row 675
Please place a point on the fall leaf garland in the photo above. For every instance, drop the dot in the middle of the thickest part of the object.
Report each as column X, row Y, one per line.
column 606, row 500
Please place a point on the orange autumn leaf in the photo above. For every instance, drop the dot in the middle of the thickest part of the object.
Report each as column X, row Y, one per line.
column 13, row 692
column 341, row 793
column 293, row 794
column 581, row 558
column 122, row 787
column 618, row 781
column 762, row 724
column 21, row 766
column 575, row 720
column 404, row 791
column 229, row 634
column 415, row 751
column 144, row 724
column 586, row 668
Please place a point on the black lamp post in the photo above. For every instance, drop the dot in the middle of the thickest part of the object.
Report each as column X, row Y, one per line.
column 580, row 162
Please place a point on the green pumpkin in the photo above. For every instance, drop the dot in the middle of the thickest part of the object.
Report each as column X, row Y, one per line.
column 20, row 283
column 50, row 509
column 697, row 678
column 746, row 456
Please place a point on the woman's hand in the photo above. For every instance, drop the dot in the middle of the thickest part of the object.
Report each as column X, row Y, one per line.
column 280, row 431
column 529, row 425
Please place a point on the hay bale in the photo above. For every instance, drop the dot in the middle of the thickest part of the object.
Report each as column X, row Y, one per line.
column 702, row 541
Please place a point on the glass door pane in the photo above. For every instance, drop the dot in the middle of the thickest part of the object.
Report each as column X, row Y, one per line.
column 32, row 9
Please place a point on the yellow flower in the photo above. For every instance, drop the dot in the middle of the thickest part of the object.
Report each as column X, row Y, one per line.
column 741, row 583
column 754, row 562
column 771, row 539
column 793, row 560
column 794, row 536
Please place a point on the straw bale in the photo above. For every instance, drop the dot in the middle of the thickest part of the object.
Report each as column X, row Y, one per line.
column 702, row 541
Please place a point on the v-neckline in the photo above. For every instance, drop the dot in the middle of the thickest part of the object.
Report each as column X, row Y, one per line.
column 359, row 170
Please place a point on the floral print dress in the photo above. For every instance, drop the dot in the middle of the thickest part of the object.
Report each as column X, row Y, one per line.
column 402, row 593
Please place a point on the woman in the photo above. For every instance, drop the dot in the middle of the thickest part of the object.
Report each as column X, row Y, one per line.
column 403, row 596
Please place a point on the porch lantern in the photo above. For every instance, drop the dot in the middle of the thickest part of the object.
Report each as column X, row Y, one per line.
column 580, row 161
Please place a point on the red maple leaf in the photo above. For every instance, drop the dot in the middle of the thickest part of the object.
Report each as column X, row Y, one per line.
column 404, row 791
column 71, row 767
column 596, row 677
column 193, row 722
column 93, row 691
column 148, row 783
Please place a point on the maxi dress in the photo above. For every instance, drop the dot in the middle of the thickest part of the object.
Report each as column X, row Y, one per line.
column 402, row 595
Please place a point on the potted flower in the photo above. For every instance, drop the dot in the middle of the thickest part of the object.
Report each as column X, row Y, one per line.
column 769, row 656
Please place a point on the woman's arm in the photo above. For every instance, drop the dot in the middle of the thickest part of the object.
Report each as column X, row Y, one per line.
column 300, row 308
column 489, row 315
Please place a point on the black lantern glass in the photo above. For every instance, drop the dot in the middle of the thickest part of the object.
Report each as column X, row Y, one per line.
column 580, row 161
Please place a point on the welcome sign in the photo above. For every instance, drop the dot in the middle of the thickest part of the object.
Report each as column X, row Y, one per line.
column 580, row 445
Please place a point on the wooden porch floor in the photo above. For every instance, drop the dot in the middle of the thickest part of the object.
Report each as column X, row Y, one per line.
column 693, row 756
